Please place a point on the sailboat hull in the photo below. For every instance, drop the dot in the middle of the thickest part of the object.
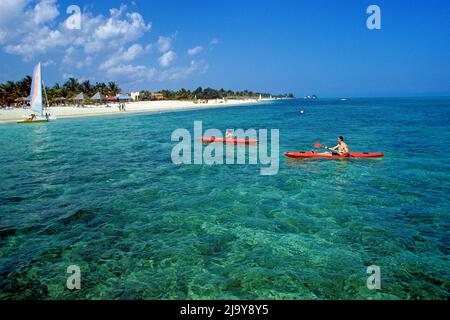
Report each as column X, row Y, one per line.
column 36, row 120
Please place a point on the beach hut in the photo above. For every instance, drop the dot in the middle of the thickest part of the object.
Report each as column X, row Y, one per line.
column 158, row 96
column 22, row 101
column 98, row 97
column 79, row 99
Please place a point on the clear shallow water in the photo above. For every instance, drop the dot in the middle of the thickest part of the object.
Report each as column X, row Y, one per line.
column 103, row 194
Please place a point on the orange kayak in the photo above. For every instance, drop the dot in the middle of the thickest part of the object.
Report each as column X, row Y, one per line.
column 224, row 140
column 311, row 154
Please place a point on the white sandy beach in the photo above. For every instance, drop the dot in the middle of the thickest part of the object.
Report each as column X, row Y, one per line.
column 61, row 112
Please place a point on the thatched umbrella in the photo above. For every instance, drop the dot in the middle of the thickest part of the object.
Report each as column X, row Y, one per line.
column 81, row 97
column 98, row 97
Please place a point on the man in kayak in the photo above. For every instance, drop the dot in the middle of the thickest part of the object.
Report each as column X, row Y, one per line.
column 229, row 134
column 340, row 149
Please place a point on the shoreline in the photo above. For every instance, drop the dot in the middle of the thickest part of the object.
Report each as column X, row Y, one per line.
column 72, row 112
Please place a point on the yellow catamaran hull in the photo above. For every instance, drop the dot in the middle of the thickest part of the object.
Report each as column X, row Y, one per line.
column 32, row 121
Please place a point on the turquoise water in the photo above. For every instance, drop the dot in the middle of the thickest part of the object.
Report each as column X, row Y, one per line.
column 102, row 193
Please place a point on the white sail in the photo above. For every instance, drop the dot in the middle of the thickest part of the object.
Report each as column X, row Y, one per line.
column 36, row 90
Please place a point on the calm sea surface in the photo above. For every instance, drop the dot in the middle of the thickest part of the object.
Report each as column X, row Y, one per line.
column 103, row 194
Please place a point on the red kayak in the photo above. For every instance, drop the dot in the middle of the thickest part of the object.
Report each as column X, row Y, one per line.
column 312, row 154
column 224, row 140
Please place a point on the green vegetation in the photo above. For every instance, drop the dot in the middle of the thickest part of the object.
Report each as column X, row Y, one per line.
column 11, row 91
column 209, row 94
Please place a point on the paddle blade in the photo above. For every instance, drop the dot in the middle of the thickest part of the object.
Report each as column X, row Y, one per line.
column 318, row 146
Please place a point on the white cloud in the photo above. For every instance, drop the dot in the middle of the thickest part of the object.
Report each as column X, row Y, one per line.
column 183, row 72
column 44, row 11
column 164, row 44
column 98, row 34
column 106, row 47
column 123, row 70
column 48, row 63
column 135, row 75
column 16, row 18
column 167, row 58
column 116, row 31
column 195, row 51
column 131, row 28
column 11, row 12
column 39, row 42
column 74, row 58
column 214, row 41
column 129, row 55
column 12, row 8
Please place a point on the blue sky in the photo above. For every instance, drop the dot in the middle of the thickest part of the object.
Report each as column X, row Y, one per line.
column 303, row 47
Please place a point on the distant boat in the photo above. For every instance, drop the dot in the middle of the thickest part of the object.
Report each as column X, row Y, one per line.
column 36, row 99
column 313, row 97
column 344, row 99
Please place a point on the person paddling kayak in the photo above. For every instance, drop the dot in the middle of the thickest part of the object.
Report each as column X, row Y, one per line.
column 229, row 134
column 341, row 148
column 338, row 152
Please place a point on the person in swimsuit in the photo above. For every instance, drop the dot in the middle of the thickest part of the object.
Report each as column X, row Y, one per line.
column 229, row 134
column 340, row 149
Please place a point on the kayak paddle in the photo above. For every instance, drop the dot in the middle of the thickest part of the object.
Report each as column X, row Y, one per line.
column 319, row 146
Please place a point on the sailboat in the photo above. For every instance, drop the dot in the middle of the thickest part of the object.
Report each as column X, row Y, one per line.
column 36, row 99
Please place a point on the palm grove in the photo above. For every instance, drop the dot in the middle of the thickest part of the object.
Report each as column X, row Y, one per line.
column 11, row 91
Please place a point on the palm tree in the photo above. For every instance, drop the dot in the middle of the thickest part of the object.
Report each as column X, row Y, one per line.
column 71, row 87
column 146, row 95
column 87, row 87
column 2, row 94
column 24, row 86
column 168, row 94
column 113, row 88
column 11, row 92
column 101, row 87
column 182, row 94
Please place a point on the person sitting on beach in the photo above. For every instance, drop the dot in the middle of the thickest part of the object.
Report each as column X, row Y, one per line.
column 340, row 149
column 229, row 134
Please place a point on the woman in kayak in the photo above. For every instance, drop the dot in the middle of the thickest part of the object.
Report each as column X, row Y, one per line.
column 340, row 149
